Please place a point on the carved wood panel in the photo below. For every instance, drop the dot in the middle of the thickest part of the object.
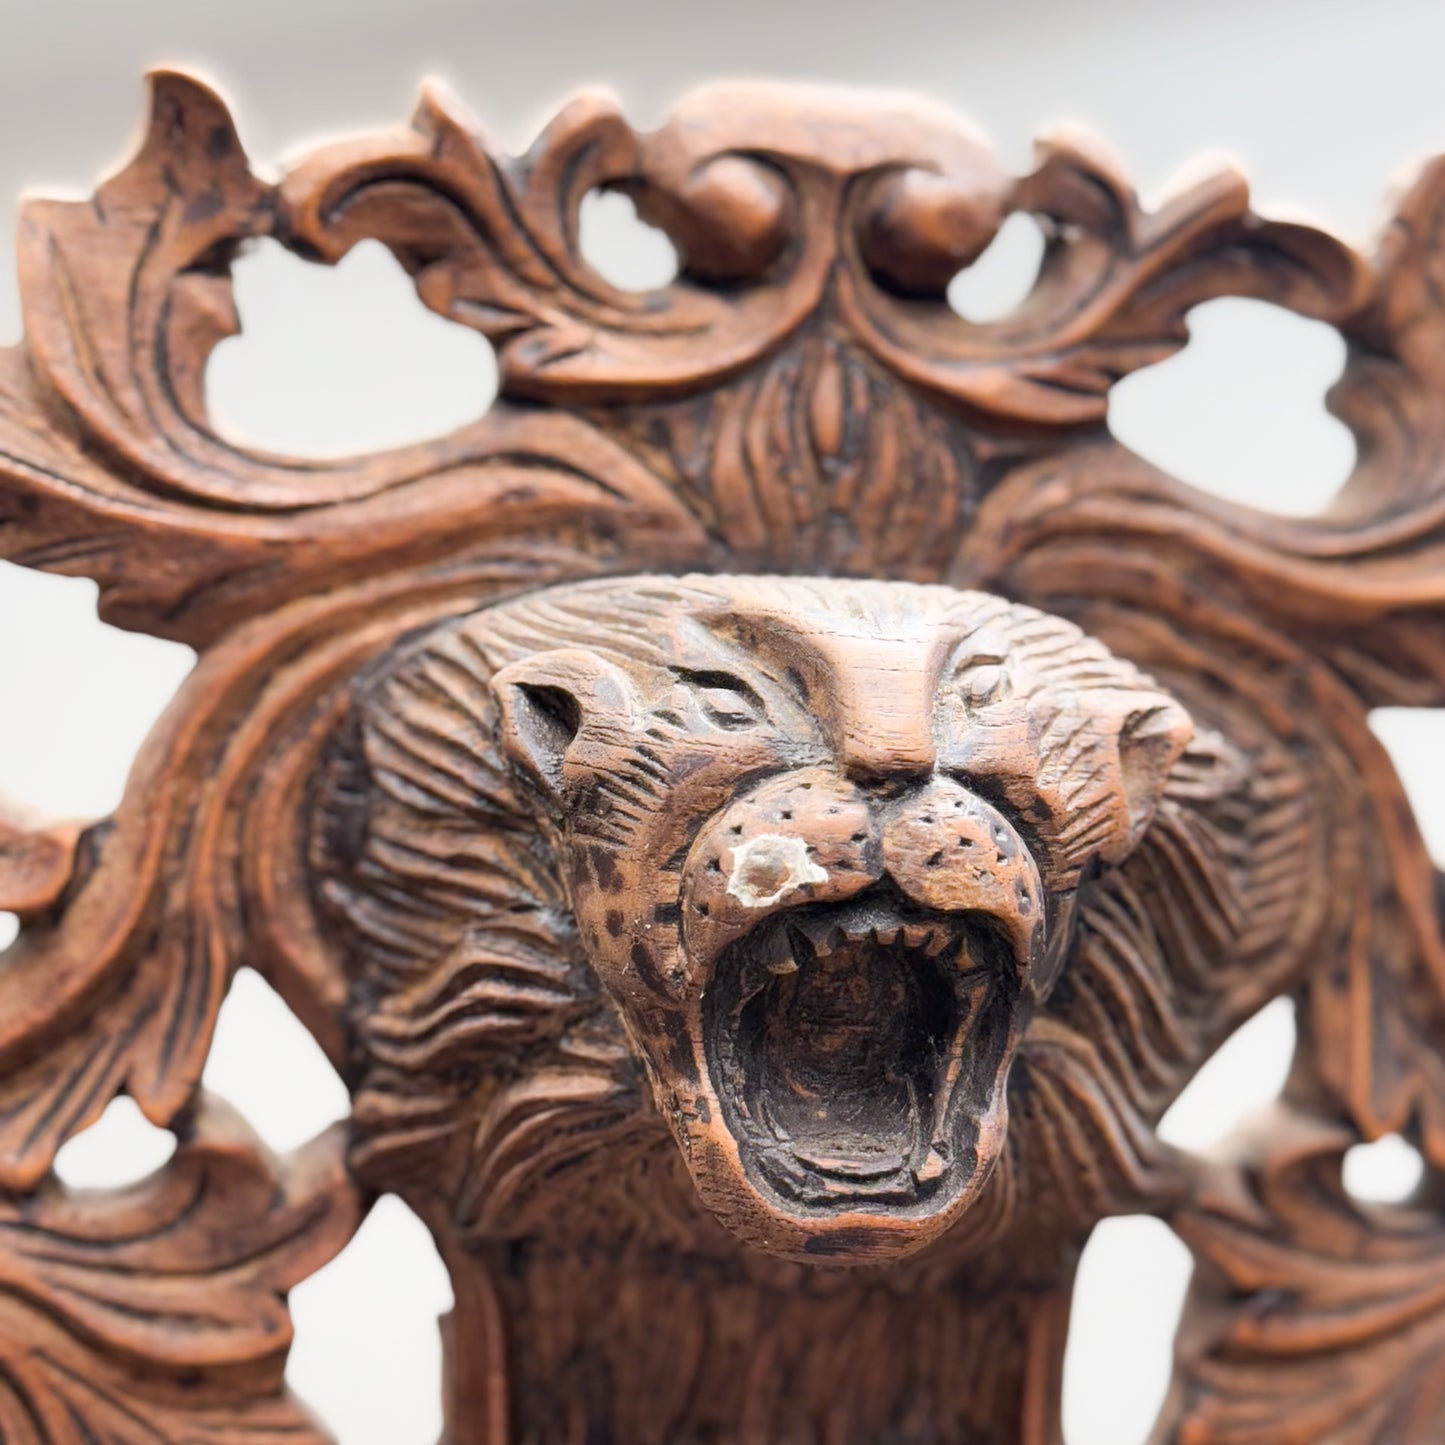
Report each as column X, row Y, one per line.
column 765, row 821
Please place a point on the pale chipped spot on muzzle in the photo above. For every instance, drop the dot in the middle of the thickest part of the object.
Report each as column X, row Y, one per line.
column 769, row 867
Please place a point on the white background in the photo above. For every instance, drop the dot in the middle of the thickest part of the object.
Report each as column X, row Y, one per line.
column 1323, row 101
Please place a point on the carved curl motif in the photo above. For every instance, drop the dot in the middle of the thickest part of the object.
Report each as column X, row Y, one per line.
column 765, row 821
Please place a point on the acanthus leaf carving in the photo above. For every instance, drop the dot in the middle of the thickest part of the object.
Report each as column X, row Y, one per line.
column 112, row 462
column 36, row 863
column 156, row 1315
column 1312, row 1317
column 1112, row 294
column 122, row 988
column 110, row 286
column 495, row 244
column 1377, row 1006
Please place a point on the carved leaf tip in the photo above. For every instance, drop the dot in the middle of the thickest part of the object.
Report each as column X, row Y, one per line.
column 188, row 117
column 36, row 865
column 1307, row 1310
column 166, row 1302
column 440, row 110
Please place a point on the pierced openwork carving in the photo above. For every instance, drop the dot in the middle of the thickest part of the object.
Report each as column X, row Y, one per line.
column 765, row 822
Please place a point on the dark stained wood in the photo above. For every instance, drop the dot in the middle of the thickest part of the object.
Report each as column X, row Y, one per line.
column 765, row 822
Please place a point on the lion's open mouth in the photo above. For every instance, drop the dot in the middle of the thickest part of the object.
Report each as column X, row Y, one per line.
column 842, row 1042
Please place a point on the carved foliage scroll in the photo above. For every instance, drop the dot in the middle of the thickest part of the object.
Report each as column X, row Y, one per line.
column 156, row 1313
column 1313, row 1317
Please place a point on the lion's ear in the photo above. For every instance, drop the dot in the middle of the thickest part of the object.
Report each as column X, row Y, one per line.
column 543, row 703
column 1151, row 741
column 539, row 722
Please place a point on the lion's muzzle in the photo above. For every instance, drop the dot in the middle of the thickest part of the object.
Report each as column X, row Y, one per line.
column 860, row 963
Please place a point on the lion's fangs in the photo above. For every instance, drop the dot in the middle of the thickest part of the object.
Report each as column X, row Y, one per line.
column 769, row 867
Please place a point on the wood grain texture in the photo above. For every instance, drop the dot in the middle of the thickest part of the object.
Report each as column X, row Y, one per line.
column 765, row 821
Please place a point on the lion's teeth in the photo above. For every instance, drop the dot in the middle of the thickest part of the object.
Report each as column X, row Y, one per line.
column 931, row 1168
column 821, row 938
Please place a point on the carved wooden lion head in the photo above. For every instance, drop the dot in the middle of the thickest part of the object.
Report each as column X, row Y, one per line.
column 817, row 845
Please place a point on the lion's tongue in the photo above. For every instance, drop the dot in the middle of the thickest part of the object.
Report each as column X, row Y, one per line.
column 832, row 1063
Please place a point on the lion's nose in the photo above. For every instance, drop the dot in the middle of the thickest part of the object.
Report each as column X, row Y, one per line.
column 873, row 766
column 880, row 742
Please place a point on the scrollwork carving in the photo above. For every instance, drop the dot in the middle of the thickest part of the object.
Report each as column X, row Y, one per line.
column 1313, row 1318
column 156, row 1313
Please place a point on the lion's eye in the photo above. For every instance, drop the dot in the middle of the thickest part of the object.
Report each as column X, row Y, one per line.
column 727, row 709
column 983, row 680
column 726, row 701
